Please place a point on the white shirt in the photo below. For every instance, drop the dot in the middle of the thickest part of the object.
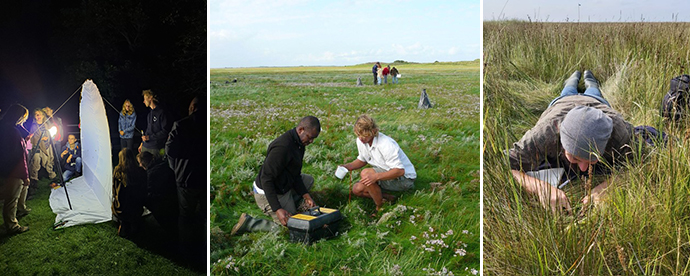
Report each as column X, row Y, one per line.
column 385, row 153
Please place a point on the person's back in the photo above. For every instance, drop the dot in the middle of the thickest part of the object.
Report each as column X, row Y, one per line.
column 129, row 193
column 161, row 195
column 186, row 150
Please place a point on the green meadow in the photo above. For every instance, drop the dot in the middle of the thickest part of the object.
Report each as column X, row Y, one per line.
column 643, row 225
column 93, row 249
column 431, row 229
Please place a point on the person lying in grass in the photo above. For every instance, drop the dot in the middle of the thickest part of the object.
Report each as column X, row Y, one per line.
column 390, row 170
column 575, row 132
column 281, row 186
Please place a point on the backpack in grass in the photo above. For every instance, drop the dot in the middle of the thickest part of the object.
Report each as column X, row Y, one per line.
column 675, row 102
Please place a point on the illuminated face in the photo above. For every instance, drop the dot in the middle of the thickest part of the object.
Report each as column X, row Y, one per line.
column 129, row 107
column 581, row 163
column 39, row 117
column 71, row 139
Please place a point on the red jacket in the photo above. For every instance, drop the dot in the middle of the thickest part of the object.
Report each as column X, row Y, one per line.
column 385, row 71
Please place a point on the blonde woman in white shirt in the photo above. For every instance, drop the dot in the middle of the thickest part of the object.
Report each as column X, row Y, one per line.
column 390, row 170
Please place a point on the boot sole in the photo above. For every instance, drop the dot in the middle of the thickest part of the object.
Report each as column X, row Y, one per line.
column 240, row 223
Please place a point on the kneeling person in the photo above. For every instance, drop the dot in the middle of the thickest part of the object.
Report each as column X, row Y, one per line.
column 280, row 185
column 391, row 169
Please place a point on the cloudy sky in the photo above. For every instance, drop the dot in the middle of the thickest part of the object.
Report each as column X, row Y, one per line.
column 589, row 10
column 310, row 32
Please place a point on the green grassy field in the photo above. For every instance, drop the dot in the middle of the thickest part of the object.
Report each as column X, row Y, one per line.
column 643, row 226
column 80, row 250
column 428, row 230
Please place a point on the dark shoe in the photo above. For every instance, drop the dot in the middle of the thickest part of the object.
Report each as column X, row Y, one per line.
column 590, row 80
column 18, row 230
column 23, row 213
column 573, row 79
column 241, row 225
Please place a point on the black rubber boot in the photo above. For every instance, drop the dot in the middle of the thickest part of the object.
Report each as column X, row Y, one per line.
column 573, row 79
column 590, row 81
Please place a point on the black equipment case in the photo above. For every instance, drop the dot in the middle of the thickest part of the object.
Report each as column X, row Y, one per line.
column 315, row 224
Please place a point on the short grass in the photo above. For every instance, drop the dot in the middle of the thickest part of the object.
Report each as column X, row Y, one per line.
column 442, row 142
column 79, row 250
column 644, row 225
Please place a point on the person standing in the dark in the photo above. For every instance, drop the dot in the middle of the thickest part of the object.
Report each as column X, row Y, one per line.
column 158, row 125
column 57, row 122
column 186, row 151
column 161, row 191
column 13, row 166
column 126, row 124
column 42, row 152
column 129, row 193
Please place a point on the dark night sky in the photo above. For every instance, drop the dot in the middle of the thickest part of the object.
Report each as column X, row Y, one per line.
column 49, row 48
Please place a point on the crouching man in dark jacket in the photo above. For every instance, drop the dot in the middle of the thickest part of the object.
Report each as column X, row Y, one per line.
column 280, row 185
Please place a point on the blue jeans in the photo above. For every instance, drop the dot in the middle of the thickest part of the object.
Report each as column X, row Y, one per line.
column 385, row 79
column 395, row 79
column 379, row 78
column 67, row 174
column 593, row 92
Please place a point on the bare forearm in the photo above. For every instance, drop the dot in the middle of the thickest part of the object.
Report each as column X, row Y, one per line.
column 355, row 165
column 532, row 185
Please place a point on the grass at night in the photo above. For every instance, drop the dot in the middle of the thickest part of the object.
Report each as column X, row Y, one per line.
column 643, row 227
column 93, row 249
column 430, row 229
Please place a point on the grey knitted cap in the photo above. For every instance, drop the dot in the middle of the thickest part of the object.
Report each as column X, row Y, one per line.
column 585, row 130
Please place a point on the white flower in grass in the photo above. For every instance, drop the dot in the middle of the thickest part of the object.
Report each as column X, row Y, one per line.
column 474, row 271
column 460, row 252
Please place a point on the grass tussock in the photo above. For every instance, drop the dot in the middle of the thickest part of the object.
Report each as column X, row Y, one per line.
column 643, row 226
column 430, row 229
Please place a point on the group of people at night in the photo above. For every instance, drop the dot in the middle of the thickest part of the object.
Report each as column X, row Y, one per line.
column 165, row 174
column 25, row 153
column 381, row 74
column 281, row 189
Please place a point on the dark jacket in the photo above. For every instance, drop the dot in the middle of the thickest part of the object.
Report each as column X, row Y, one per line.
column 158, row 124
column 13, row 148
column 161, row 191
column 186, row 150
column 282, row 168
column 374, row 69
column 128, row 201
column 76, row 152
column 394, row 71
